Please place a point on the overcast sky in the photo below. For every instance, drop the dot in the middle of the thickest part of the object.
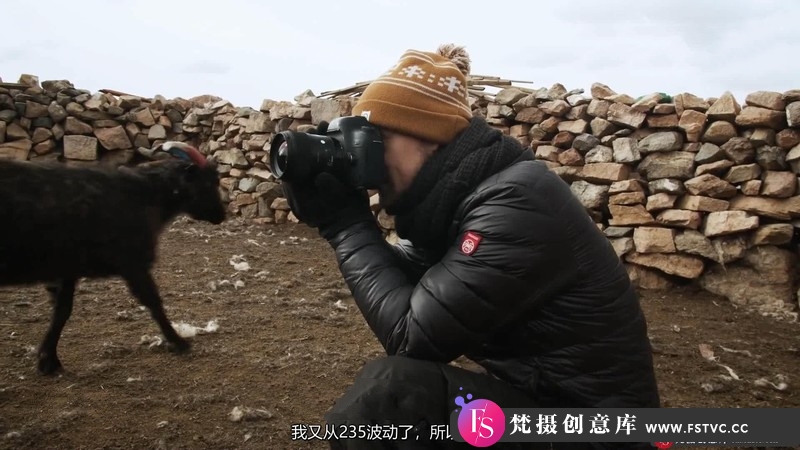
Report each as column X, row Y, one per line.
column 248, row 50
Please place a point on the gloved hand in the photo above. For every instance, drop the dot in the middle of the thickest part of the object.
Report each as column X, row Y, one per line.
column 327, row 204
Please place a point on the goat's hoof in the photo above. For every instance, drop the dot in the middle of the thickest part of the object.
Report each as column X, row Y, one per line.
column 180, row 346
column 48, row 365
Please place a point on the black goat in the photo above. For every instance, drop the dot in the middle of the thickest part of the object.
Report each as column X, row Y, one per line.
column 59, row 224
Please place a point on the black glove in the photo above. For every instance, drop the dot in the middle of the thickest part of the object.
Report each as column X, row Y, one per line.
column 327, row 204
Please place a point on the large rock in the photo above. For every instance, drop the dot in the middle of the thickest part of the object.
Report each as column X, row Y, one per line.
column 626, row 186
column 623, row 115
column 601, row 91
column 717, row 168
column 680, row 218
column 725, row 108
column 708, row 185
column 667, row 185
column 232, row 157
column 685, row 101
column 741, row 173
column 693, row 123
column 752, row 187
column 547, row 152
column 605, row 173
column 18, row 150
column 570, row 157
column 259, row 122
column 709, row 153
column 766, row 99
column 56, row 112
column 754, row 116
column 723, row 250
column 660, row 201
column 598, row 108
column 531, row 114
column 113, row 138
column 574, row 126
column 627, row 198
column 599, row 154
column 740, row 150
column 648, row 279
column 15, row 131
column 663, row 141
column 79, row 147
column 664, row 108
column 654, row 240
column 76, row 126
column 771, row 158
column 626, row 150
column 592, row 196
column 623, row 215
column 718, row 132
column 684, row 266
column 586, row 142
column 676, row 164
column 763, row 279
column 761, row 136
column 556, row 108
column 779, row 184
column 773, row 234
column 787, row 138
column 618, row 232
column 702, row 204
column 647, row 102
column 793, row 114
column 663, row 121
column 774, row 208
column 143, row 116
column 507, row 96
column 720, row 223
column 157, row 132
column 622, row 246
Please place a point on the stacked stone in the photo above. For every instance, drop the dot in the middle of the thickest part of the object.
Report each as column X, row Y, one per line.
column 54, row 120
column 242, row 144
column 685, row 188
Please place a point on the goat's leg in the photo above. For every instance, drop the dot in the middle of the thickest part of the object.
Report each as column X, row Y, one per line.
column 143, row 287
column 61, row 296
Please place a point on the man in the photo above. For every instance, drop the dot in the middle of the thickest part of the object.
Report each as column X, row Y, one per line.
column 499, row 262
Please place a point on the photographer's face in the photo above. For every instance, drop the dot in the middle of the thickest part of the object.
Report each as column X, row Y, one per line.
column 404, row 156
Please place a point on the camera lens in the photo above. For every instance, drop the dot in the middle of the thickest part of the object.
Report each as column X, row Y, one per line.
column 283, row 154
column 298, row 157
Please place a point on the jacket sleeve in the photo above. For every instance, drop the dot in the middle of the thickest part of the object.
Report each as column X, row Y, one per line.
column 413, row 261
column 521, row 257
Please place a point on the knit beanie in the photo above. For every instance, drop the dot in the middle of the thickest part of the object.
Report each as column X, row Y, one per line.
column 424, row 95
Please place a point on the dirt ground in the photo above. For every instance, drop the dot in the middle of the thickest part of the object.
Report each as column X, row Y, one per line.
column 288, row 341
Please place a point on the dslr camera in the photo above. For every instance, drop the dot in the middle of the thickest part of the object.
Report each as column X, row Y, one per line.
column 351, row 149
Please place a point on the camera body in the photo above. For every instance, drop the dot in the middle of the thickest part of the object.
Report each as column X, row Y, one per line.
column 351, row 149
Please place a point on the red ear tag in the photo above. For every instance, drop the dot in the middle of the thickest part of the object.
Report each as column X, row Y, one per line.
column 470, row 242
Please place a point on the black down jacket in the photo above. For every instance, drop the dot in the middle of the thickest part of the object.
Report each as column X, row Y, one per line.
column 537, row 296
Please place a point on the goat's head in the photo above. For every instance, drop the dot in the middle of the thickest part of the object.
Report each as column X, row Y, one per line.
column 199, row 182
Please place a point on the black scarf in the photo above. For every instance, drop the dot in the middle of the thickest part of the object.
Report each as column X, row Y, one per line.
column 424, row 212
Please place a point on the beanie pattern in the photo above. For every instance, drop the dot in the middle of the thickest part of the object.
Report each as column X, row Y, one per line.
column 423, row 95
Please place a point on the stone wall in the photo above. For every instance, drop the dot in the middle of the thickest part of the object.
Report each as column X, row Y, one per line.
column 686, row 189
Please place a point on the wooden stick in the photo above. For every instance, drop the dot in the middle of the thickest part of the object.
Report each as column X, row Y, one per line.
column 14, row 85
column 117, row 93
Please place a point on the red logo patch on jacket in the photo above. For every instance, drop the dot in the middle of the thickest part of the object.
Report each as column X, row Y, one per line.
column 469, row 244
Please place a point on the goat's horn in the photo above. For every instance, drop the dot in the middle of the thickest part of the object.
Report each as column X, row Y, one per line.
column 184, row 151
